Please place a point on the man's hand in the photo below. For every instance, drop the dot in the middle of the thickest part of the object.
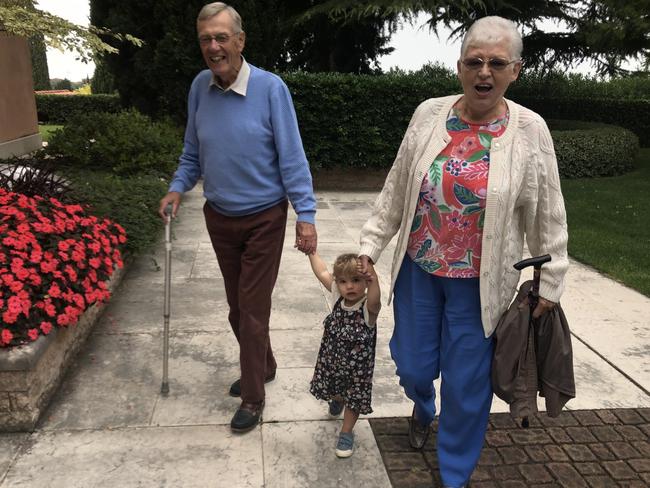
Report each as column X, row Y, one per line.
column 543, row 306
column 172, row 197
column 306, row 237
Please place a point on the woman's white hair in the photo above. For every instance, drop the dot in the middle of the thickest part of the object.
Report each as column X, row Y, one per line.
column 491, row 30
column 211, row 9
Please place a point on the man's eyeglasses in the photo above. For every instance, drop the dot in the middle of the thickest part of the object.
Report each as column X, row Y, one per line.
column 220, row 38
column 496, row 64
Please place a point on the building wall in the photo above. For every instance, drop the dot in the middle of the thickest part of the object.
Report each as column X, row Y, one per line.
column 18, row 118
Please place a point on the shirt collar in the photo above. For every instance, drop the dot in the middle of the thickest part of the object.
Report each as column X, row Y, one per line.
column 240, row 85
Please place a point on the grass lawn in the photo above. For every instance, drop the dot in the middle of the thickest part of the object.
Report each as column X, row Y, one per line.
column 609, row 223
column 46, row 130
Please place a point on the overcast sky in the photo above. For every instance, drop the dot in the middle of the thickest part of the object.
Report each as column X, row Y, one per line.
column 414, row 45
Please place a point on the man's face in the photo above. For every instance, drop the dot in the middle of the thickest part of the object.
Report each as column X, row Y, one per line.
column 221, row 47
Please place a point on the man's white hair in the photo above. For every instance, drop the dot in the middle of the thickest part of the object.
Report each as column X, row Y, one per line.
column 211, row 9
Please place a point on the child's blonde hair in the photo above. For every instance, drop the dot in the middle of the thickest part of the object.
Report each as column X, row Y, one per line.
column 345, row 266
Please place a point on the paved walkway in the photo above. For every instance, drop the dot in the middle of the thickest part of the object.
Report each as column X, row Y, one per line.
column 108, row 426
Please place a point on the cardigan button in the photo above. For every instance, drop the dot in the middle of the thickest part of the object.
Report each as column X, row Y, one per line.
column 489, row 236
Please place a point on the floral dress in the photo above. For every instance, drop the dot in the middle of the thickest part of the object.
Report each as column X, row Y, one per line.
column 346, row 358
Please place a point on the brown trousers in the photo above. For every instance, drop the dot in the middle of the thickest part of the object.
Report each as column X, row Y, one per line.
column 248, row 250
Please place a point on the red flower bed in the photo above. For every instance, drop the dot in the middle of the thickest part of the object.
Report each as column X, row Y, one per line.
column 55, row 261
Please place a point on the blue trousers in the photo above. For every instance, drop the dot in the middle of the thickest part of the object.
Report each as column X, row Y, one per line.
column 438, row 331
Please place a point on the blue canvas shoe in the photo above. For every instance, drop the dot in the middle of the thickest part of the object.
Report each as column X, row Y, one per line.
column 345, row 445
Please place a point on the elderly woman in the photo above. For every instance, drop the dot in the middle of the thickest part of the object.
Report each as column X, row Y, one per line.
column 474, row 174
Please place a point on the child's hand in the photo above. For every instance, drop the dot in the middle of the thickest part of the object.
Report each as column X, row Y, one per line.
column 365, row 267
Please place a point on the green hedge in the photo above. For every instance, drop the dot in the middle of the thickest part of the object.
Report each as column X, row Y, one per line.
column 586, row 150
column 57, row 109
column 348, row 120
column 358, row 120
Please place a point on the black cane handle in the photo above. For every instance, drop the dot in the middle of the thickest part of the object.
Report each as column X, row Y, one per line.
column 537, row 263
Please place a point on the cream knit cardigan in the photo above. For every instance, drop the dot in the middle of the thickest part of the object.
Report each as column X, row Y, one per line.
column 523, row 197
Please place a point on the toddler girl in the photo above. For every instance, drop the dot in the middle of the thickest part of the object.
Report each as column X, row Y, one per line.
column 346, row 359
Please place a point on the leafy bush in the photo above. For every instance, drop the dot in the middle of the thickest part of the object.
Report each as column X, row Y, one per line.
column 589, row 149
column 130, row 201
column 127, row 143
column 57, row 109
column 55, row 260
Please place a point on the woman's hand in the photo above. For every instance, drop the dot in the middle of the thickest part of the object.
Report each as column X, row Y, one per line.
column 543, row 306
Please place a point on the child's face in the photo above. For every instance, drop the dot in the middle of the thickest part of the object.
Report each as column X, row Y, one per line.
column 352, row 288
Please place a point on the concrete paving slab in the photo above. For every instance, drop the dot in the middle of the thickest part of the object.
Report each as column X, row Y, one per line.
column 10, row 445
column 598, row 385
column 301, row 454
column 113, row 382
column 192, row 457
column 296, row 348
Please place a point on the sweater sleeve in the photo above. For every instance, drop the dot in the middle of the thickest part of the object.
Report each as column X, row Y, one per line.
column 546, row 224
column 294, row 167
column 386, row 217
column 189, row 169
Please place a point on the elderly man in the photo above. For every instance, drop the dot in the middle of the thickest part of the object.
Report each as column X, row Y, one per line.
column 242, row 137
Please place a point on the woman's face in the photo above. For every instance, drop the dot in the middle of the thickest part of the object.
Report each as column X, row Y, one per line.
column 484, row 86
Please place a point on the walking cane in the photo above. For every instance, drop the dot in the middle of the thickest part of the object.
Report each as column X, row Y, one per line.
column 533, row 295
column 164, row 389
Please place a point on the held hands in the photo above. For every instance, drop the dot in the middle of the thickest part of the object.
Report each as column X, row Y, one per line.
column 365, row 267
column 306, row 237
column 172, row 197
column 543, row 306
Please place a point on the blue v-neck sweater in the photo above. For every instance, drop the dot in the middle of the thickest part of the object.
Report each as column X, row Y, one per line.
column 247, row 148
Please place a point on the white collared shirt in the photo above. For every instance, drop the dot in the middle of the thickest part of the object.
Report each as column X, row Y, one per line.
column 240, row 85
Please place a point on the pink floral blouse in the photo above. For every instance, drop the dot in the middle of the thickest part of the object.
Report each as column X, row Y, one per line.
column 446, row 233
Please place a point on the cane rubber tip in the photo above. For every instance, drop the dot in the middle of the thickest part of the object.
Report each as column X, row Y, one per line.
column 164, row 389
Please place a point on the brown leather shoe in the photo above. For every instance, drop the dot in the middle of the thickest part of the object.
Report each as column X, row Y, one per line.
column 247, row 416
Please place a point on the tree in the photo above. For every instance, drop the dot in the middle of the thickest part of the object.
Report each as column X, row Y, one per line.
column 40, row 71
column 342, row 45
column 605, row 32
column 155, row 78
column 22, row 18
column 103, row 81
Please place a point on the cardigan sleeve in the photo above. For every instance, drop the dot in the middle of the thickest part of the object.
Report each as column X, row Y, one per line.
column 386, row 216
column 546, row 223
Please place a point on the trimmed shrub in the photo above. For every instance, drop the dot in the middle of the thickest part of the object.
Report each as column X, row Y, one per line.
column 632, row 114
column 126, row 143
column 57, row 109
column 600, row 150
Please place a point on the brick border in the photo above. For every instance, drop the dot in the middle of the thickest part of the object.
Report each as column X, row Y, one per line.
column 606, row 448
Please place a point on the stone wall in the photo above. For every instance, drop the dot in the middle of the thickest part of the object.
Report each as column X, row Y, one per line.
column 31, row 374
column 18, row 119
